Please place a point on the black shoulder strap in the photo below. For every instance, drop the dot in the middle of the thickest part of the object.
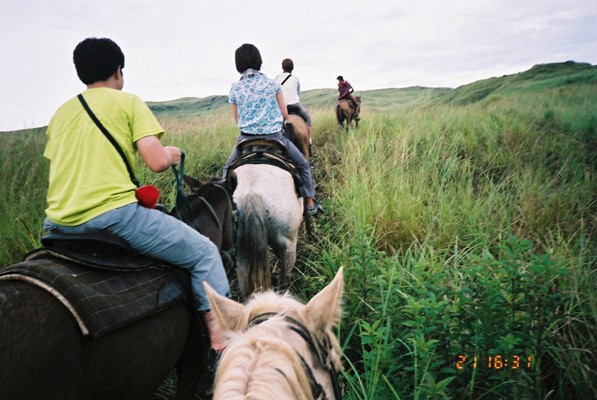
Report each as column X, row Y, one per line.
column 285, row 79
column 110, row 138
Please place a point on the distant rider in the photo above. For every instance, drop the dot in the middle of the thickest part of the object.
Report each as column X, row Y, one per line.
column 346, row 90
column 291, row 88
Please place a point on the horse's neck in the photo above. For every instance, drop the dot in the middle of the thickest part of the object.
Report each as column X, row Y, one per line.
column 263, row 364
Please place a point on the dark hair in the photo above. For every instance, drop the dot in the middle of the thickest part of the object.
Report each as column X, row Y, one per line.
column 97, row 59
column 247, row 56
column 340, row 78
column 287, row 65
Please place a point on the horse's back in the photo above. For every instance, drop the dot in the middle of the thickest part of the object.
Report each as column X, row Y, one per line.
column 298, row 133
column 43, row 344
column 276, row 188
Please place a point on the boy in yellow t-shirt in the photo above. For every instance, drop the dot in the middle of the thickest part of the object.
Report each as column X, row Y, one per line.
column 90, row 190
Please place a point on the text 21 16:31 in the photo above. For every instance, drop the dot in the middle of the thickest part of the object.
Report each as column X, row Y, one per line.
column 495, row 362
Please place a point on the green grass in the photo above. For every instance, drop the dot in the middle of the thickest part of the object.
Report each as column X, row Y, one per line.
column 466, row 225
column 23, row 186
column 468, row 230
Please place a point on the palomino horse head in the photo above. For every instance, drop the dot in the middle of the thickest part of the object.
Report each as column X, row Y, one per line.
column 279, row 348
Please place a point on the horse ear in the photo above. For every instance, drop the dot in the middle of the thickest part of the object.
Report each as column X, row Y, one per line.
column 325, row 308
column 226, row 311
column 192, row 183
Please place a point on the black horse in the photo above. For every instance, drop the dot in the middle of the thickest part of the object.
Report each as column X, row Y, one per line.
column 44, row 354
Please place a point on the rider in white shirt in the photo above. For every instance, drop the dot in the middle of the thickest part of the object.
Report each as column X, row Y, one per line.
column 291, row 89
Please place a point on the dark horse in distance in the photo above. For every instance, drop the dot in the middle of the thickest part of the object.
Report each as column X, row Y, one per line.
column 45, row 355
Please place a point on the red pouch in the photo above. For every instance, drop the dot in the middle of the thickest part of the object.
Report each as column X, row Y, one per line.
column 147, row 196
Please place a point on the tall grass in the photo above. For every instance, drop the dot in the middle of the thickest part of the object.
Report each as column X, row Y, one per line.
column 23, row 186
column 466, row 231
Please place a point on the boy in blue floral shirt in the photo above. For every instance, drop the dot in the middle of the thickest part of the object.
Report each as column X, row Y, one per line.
column 259, row 110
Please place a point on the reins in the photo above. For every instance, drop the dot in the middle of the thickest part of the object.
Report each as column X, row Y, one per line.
column 319, row 349
column 183, row 208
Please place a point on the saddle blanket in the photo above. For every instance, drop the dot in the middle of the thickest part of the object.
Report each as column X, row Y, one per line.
column 100, row 300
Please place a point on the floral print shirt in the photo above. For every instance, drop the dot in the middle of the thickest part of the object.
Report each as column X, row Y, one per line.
column 255, row 98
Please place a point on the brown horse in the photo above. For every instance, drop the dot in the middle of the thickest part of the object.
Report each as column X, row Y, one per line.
column 44, row 354
column 296, row 131
column 345, row 112
column 279, row 348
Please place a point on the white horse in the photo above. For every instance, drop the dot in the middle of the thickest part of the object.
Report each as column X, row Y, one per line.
column 269, row 214
column 278, row 347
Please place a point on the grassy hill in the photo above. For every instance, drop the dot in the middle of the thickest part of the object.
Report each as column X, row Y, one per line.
column 189, row 106
column 539, row 77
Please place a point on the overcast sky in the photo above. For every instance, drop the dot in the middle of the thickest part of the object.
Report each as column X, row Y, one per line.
column 185, row 48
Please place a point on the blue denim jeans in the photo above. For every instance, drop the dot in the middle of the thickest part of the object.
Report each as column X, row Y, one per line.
column 155, row 234
column 294, row 154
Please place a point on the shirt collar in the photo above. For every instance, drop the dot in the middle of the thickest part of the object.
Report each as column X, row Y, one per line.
column 249, row 73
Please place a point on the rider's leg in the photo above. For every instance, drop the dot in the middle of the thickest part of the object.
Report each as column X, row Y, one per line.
column 233, row 156
column 303, row 167
column 355, row 105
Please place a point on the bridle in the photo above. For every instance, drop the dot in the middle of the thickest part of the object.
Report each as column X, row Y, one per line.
column 318, row 348
column 183, row 202
column 230, row 252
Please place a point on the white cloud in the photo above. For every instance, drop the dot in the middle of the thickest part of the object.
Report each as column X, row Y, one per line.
column 181, row 48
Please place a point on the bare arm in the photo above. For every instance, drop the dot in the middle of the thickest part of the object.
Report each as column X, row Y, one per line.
column 157, row 157
column 235, row 112
column 282, row 105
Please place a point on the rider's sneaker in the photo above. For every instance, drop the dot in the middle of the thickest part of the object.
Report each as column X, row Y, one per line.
column 315, row 210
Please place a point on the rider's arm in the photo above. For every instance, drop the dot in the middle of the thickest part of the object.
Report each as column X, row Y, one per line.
column 157, row 157
column 234, row 112
column 282, row 105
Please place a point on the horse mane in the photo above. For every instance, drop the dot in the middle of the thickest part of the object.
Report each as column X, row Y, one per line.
column 267, row 356
column 283, row 304
column 251, row 358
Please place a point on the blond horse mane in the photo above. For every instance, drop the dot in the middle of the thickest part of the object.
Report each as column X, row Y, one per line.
column 268, row 357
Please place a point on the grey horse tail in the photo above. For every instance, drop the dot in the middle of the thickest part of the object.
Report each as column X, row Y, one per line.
column 252, row 243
